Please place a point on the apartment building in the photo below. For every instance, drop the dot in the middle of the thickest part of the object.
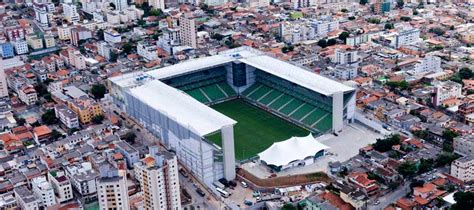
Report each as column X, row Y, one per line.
column 44, row 191
column 112, row 36
column 70, row 13
column 464, row 145
column 407, row 37
column 64, row 32
column 28, row 95
column 85, row 108
column 187, row 32
column 61, row 186
column 446, row 90
column 21, row 47
column 159, row 167
column 83, row 179
column 113, row 191
column 67, row 117
column 34, row 41
column 3, row 82
column 463, row 168
column 345, row 56
column 26, row 199
column 147, row 50
column 131, row 154
column 428, row 64
column 325, row 25
column 49, row 41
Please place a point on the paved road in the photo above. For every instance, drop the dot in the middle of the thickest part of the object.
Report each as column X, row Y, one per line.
column 391, row 197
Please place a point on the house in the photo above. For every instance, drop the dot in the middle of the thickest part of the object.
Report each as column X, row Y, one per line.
column 42, row 133
column 361, row 180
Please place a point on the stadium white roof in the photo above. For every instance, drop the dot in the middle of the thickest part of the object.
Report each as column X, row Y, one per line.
column 261, row 61
column 182, row 107
column 296, row 148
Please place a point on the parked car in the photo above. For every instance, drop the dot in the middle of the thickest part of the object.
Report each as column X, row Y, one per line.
column 248, row 203
column 244, row 185
column 200, row 192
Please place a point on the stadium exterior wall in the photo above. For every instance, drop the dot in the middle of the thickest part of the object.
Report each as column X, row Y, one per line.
column 197, row 155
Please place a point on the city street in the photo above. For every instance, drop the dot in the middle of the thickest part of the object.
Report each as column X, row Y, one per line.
column 391, row 197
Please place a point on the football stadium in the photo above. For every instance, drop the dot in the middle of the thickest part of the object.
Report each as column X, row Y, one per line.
column 233, row 105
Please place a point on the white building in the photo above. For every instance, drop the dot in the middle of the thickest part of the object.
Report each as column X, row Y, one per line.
column 26, row 199
column 66, row 116
column 187, row 31
column 21, row 47
column 213, row 2
column 428, row 64
column 113, row 18
column 407, row 37
column 112, row 36
column 259, row 3
column 348, row 56
column 44, row 191
column 446, row 90
column 169, row 39
column 324, row 26
column 83, row 179
column 3, row 81
column 120, row 4
column 70, row 13
column 113, row 191
column 346, row 72
column 463, row 168
column 147, row 51
column 464, row 145
column 61, row 186
column 27, row 95
column 64, row 32
column 295, row 32
column 162, row 168
column 157, row 4
column 303, row 3
column 43, row 14
column 104, row 49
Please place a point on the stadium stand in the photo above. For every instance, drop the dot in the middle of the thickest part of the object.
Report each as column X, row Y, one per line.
column 300, row 111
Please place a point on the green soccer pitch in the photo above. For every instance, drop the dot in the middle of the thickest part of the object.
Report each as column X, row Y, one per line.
column 256, row 129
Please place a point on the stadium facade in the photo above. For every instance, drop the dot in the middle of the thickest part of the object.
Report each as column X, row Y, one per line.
column 171, row 102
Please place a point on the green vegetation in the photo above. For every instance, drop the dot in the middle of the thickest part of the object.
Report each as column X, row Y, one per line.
column 373, row 20
column 464, row 200
column 385, row 144
column 402, row 85
column 445, row 158
column 98, row 119
column 98, row 91
column 49, row 117
column 130, row 137
column 296, row 15
column 389, row 26
column 407, row 169
column 437, row 30
column 256, row 129
column 363, row 2
column 405, row 18
column 343, row 36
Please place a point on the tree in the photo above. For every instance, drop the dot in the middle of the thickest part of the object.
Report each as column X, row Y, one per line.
column 55, row 135
column 113, row 6
column 449, row 135
column 156, row 12
column 98, row 119
column 332, row 42
column 402, row 85
column 351, row 18
column 344, row 10
column 49, row 117
column 385, row 144
column 407, row 169
column 288, row 206
column 464, row 200
column 130, row 137
column 425, row 165
column 400, row 3
column 405, row 18
column 20, row 121
column 127, row 48
column 466, row 73
column 343, row 36
column 389, row 26
column 415, row 12
column 322, row 43
column 437, row 30
column 98, row 91
column 416, row 183
column 363, row 2
column 100, row 34
column 373, row 20
column 445, row 158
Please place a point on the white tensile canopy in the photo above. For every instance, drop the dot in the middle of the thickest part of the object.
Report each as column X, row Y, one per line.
column 296, row 148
